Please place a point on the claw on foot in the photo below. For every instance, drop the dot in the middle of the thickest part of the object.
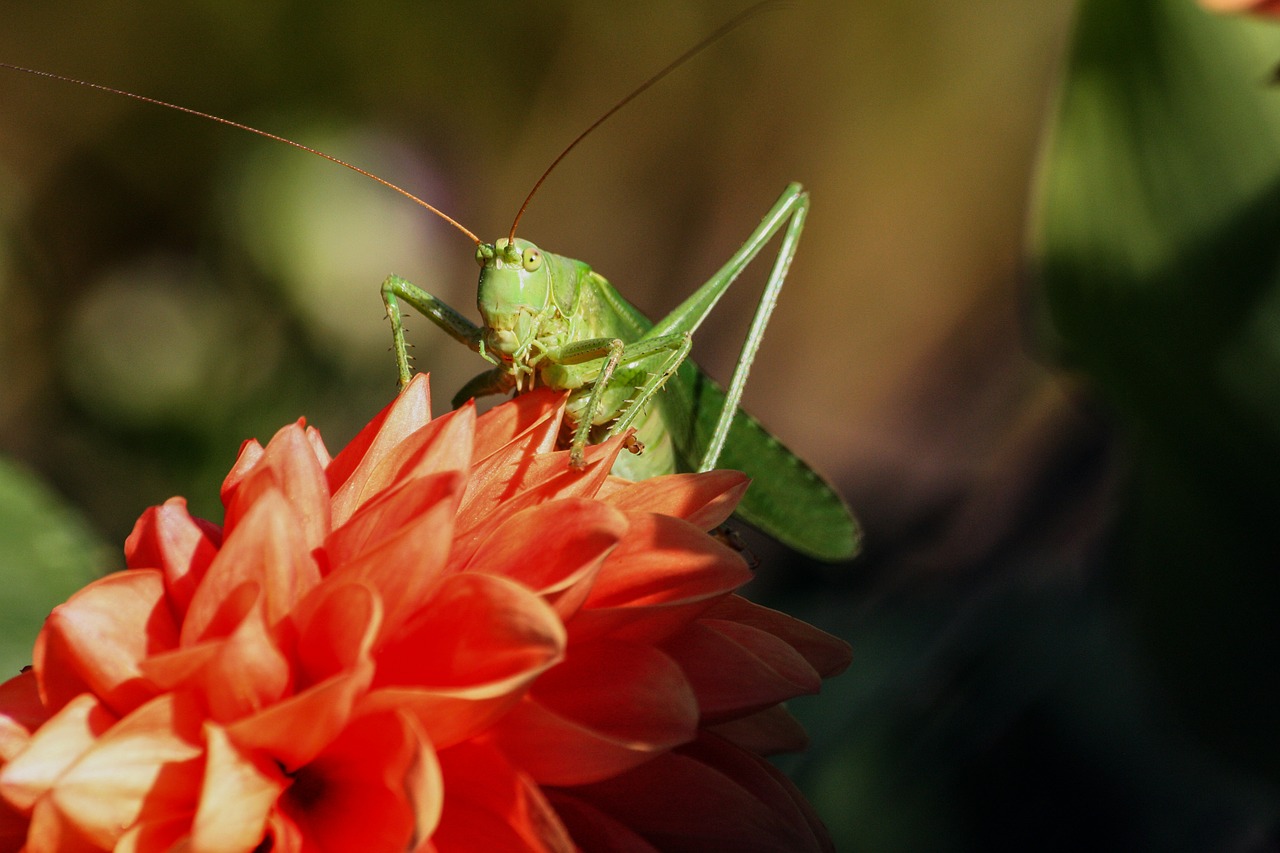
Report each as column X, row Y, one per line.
column 633, row 444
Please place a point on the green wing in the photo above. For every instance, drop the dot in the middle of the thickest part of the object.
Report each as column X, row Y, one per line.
column 787, row 499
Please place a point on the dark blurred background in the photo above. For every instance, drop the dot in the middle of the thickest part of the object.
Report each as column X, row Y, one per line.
column 1021, row 679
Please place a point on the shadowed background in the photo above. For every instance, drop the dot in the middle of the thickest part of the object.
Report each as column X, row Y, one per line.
column 169, row 286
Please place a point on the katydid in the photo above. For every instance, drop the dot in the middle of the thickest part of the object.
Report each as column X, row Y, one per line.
column 551, row 321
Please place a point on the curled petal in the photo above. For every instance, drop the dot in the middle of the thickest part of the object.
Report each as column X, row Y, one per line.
column 371, row 790
column 236, row 797
column 403, row 445
column 505, row 485
column 168, row 538
column 267, row 548
column 250, row 452
column 96, row 640
column 704, row 500
column 145, row 767
column 736, row 669
column 390, row 512
column 57, row 745
column 295, row 730
column 492, row 806
column 235, row 675
column 440, row 446
column 21, row 713
column 664, row 573
column 337, row 626
column 406, row 564
column 575, row 537
column 828, row 655
column 350, row 470
column 289, row 465
column 488, row 637
column 607, row 708
column 769, row 732
column 710, row 795
column 523, row 427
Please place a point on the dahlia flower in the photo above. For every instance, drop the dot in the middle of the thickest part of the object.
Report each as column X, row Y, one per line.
column 442, row 639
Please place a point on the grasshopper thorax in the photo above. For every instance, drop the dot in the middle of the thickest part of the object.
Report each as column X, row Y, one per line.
column 514, row 297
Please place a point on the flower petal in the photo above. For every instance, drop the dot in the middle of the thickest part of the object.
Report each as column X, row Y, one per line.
column 407, row 563
column 58, row 744
column 295, row 730
column 769, row 732
column 704, row 500
column 146, row 766
column 168, row 538
column 235, row 675
column 21, row 713
column 488, row 637
column 505, row 485
column 710, row 795
column 13, row 827
column 592, row 829
column 268, row 548
column 736, row 669
column 170, row 833
column 238, row 793
column 663, row 574
column 574, row 537
column 96, row 640
column 607, row 708
column 358, row 794
column 827, row 654
column 288, row 465
column 390, row 512
column 349, row 472
column 526, row 425
column 51, row 832
column 336, row 626
column 491, row 806
column 442, row 445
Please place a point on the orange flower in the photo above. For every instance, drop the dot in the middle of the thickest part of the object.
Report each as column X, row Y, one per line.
column 444, row 638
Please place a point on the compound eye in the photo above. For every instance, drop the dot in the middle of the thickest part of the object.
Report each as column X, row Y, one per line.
column 532, row 259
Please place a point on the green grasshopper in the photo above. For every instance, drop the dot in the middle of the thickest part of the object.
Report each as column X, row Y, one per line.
column 551, row 321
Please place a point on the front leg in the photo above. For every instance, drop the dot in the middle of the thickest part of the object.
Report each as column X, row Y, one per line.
column 580, row 352
column 495, row 381
column 614, row 352
column 438, row 312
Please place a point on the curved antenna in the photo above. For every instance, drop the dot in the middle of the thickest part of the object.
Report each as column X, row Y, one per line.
column 723, row 30
column 220, row 120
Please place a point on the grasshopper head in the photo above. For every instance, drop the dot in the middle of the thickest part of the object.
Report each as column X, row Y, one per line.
column 514, row 296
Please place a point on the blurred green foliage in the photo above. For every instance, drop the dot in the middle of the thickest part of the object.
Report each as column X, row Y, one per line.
column 47, row 552
column 1160, row 265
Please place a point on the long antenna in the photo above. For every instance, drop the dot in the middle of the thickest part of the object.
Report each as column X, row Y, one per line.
column 220, row 120
column 724, row 29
